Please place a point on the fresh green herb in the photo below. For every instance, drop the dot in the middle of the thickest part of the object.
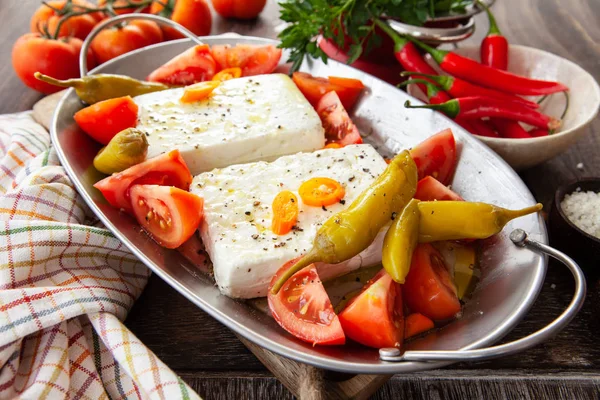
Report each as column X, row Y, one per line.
column 349, row 23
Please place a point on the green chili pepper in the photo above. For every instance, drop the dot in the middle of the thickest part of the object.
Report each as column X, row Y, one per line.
column 400, row 241
column 128, row 148
column 94, row 88
column 347, row 233
column 455, row 220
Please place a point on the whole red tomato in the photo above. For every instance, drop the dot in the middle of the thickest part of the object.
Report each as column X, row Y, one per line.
column 56, row 58
column 241, row 9
column 121, row 3
column 48, row 15
column 193, row 14
column 113, row 42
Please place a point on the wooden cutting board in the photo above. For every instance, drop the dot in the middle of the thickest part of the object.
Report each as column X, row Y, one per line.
column 304, row 381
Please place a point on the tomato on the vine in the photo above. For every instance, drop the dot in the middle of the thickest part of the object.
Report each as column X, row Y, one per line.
column 47, row 16
column 241, row 9
column 121, row 3
column 192, row 14
column 113, row 42
column 57, row 58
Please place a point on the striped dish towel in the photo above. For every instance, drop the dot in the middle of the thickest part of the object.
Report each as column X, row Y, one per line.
column 66, row 285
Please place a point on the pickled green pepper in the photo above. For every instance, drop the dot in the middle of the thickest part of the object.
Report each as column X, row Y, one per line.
column 126, row 149
column 94, row 88
column 349, row 232
column 455, row 220
column 400, row 241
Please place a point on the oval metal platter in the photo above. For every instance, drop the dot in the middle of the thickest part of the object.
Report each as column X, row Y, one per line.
column 511, row 278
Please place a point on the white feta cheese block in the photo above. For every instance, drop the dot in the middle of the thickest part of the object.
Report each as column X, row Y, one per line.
column 258, row 118
column 236, row 230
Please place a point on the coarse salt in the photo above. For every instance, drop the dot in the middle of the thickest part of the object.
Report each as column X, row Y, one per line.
column 583, row 210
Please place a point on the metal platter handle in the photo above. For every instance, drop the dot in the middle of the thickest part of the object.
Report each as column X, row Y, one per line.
column 83, row 68
column 519, row 237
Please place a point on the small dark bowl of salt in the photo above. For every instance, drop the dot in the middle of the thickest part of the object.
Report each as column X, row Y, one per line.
column 575, row 222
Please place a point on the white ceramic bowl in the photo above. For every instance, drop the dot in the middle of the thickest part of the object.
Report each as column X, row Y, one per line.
column 584, row 104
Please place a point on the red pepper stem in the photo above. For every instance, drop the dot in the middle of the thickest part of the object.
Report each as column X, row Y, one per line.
column 493, row 30
column 445, row 82
column 438, row 55
column 432, row 89
column 399, row 41
column 451, row 108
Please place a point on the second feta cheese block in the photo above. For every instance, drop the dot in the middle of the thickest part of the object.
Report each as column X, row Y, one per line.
column 236, row 230
column 247, row 119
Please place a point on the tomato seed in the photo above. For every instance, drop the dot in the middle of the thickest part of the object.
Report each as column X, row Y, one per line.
column 141, row 203
column 150, row 215
column 162, row 224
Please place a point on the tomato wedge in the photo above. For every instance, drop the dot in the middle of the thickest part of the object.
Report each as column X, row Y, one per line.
column 429, row 288
column 192, row 66
column 416, row 324
column 338, row 126
column 170, row 215
column 430, row 189
column 313, row 88
column 103, row 120
column 253, row 60
column 375, row 316
column 303, row 308
column 436, row 156
column 167, row 169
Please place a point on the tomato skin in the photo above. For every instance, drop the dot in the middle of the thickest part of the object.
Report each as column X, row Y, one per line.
column 176, row 213
column 77, row 26
column 430, row 189
column 302, row 307
column 253, row 60
column 103, row 120
column 374, row 317
column 57, row 58
column 193, row 14
column 192, row 66
column 240, row 9
column 339, row 128
column 436, row 156
column 167, row 169
column 429, row 288
column 313, row 88
column 115, row 41
column 128, row 10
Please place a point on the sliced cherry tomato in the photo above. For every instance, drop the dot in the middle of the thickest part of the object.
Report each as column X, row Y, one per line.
column 103, row 120
column 313, row 88
column 241, row 9
column 285, row 212
column 49, row 14
column 167, row 169
column 429, row 288
column 192, row 14
column 227, row 74
column 416, row 324
column 375, row 317
column 199, row 91
column 338, row 126
column 170, row 215
column 303, row 308
column 253, row 60
column 436, row 156
column 430, row 189
column 320, row 192
column 117, row 40
column 192, row 66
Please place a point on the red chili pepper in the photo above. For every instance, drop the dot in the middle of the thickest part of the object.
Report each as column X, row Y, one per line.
column 460, row 88
column 509, row 129
column 494, row 47
column 478, row 107
column 435, row 95
column 472, row 71
column 482, row 128
column 538, row 132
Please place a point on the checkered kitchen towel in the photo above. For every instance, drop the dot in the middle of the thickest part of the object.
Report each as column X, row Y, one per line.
column 66, row 285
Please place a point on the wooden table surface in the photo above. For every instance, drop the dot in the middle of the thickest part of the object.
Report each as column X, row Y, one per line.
column 218, row 366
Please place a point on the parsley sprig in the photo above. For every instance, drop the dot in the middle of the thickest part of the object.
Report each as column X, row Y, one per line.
column 354, row 18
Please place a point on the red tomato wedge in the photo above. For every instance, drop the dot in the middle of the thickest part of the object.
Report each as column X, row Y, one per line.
column 253, row 60
column 170, row 215
column 338, row 126
column 436, row 156
column 103, row 120
column 416, row 324
column 429, row 288
column 192, row 66
column 167, row 169
column 430, row 189
column 302, row 307
column 313, row 88
column 375, row 317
